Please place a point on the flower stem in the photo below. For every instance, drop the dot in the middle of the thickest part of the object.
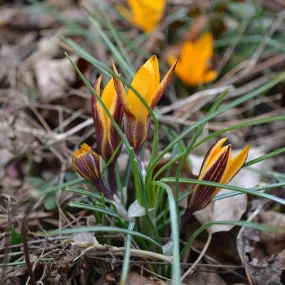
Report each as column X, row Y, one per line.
column 145, row 227
column 102, row 188
column 185, row 219
column 140, row 163
column 112, row 178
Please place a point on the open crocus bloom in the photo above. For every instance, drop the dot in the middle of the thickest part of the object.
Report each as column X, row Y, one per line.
column 147, row 83
column 218, row 166
column 145, row 14
column 193, row 65
column 107, row 138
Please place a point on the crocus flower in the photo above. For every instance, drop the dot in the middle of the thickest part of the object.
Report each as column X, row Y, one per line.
column 218, row 166
column 145, row 14
column 107, row 137
column 193, row 65
column 147, row 83
column 87, row 164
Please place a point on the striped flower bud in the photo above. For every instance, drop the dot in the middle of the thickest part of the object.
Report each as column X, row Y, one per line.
column 218, row 166
column 87, row 164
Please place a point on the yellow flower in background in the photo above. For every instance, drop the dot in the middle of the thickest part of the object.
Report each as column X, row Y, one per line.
column 193, row 64
column 145, row 14
column 107, row 138
column 147, row 83
column 218, row 166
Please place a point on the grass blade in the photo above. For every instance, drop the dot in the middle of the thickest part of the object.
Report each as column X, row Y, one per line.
column 96, row 229
column 126, row 264
column 176, row 272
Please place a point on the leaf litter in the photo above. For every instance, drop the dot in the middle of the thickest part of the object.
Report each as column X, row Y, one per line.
column 42, row 99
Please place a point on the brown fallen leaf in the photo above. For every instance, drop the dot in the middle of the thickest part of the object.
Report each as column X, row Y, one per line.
column 261, row 270
column 273, row 243
column 137, row 279
column 53, row 76
column 5, row 157
column 12, row 274
column 246, row 243
column 266, row 272
column 281, row 256
column 204, row 278
column 25, row 19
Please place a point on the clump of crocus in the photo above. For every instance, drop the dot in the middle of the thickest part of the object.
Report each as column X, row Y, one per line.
column 147, row 83
column 87, row 163
column 194, row 61
column 145, row 14
column 218, row 166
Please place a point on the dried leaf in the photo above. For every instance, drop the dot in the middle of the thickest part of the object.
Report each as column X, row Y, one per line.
column 204, row 278
column 5, row 157
column 273, row 242
column 266, row 272
column 281, row 256
column 53, row 76
column 247, row 240
column 137, row 279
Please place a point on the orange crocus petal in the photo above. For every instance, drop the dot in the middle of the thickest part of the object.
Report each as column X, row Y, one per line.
column 163, row 85
column 234, row 165
column 205, row 45
column 193, row 65
column 108, row 97
column 107, row 138
column 208, row 160
column 180, row 69
column 120, row 89
column 209, row 76
column 155, row 66
column 98, row 85
column 145, row 83
column 98, row 123
column 145, row 14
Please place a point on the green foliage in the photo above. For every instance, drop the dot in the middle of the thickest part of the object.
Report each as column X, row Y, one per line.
column 16, row 238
